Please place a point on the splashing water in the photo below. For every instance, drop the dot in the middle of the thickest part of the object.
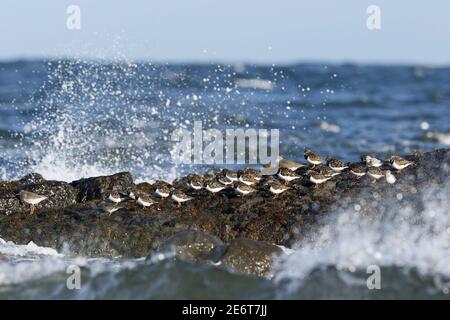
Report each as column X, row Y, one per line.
column 69, row 119
column 401, row 237
column 91, row 120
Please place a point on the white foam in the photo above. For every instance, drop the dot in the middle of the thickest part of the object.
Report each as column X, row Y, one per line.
column 30, row 249
column 400, row 237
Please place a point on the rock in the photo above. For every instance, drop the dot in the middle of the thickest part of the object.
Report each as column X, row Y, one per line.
column 31, row 178
column 195, row 246
column 132, row 231
column 249, row 256
column 99, row 187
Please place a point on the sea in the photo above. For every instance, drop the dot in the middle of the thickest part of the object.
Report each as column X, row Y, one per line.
column 69, row 118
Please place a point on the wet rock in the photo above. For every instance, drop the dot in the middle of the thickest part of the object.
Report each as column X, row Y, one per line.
column 249, row 256
column 99, row 187
column 132, row 231
column 31, row 178
column 194, row 245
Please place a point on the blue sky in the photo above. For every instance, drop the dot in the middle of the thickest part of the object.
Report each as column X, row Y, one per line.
column 259, row 31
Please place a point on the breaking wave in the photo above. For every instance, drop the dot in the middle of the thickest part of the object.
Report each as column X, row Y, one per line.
column 402, row 239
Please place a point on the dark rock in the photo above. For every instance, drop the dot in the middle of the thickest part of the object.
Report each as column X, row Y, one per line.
column 252, row 257
column 99, row 187
column 133, row 232
column 31, row 178
column 195, row 246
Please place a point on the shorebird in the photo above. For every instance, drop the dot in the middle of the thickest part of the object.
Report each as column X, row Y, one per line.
column 31, row 198
column 375, row 173
column 225, row 181
column 214, row 186
column 115, row 197
column 109, row 207
column 358, row 169
column 231, row 175
column 277, row 188
column 287, row 175
column 180, row 197
column 312, row 157
column 145, row 201
column 317, row 178
column 390, row 178
column 196, row 182
column 244, row 189
column 335, row 164
column 290, row 164
column 256, row 174
column 327, row 171
column 131, row 196
column 248, row 179
column 399, row 163
column 371, row 161
column 163, row 191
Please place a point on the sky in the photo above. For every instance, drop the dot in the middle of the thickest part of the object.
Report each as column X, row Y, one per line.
column 257, row 31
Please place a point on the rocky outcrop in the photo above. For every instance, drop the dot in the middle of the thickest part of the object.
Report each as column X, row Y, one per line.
column 96, row 187
column 72, row 216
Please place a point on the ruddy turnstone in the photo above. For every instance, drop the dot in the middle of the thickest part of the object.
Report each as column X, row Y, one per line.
column 289, row 164
column 145, row 201
column 317, row 178
column 277, row 188
column 358, row 169
column 109, row 208
column 312, row 157
column 399, row 163
column 196, row 182
column 327, row 171
column 31, row 198
column 336, row 165
column 375, row 173
column 131, row 196
column 231, row 175
column 256, row 174
column 390, row 178
column 225, row 181
column 244, row 189
column 180, row 197
column 115, row 197
column 371, row 161
column 163, row 191
column 287, row 175
column 248, row 179
column 214, row 186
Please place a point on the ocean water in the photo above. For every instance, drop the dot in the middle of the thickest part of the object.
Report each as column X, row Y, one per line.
column 70, row 119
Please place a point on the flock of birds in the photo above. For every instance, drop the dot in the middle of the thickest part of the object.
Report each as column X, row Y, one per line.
column 317, row 169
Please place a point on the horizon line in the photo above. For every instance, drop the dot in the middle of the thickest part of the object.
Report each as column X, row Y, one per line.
column 257, row 62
